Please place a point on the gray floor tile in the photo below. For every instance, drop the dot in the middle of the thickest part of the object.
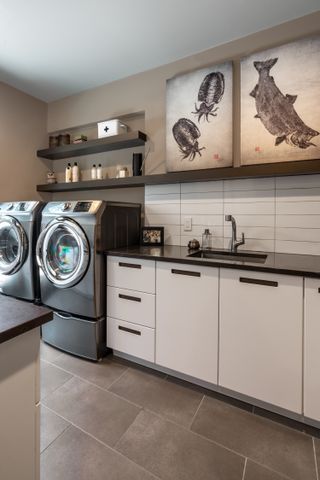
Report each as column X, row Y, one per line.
column 278, row 447
column 174, row 453
column 51, row 427
column 98, row 412
column 77, row 456
column 172, row 400
column 51, row 378
column 49, row 353
column 102, row 373
column 257, row 472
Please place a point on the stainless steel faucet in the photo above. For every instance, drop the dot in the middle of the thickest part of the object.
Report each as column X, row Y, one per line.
column 234, row 243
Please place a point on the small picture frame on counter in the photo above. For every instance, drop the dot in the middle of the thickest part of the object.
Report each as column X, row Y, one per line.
column 153, row 236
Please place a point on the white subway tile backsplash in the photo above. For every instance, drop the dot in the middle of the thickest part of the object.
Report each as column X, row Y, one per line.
column 253, row 208
column 162, row 219
column 203, row 219
column 302, row 248
column 250, row 196
column 162, row 209
column 214, row 208
column 297, row 208
column 298, row 195
column 201, row 197
column 299, row 181
column 249, row 184
column 299, row 221
column 276, row 214
column 162, row 189
column 201, row 187
column 298, row 234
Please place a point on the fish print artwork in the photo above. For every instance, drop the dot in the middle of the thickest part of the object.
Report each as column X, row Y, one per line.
column 280, row 94
column 199, row 119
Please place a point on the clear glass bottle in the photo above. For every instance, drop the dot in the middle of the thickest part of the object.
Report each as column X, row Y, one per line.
column 206, row 239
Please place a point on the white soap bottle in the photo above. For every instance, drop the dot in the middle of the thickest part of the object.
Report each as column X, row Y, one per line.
column 94, row 172
column 68, row 173
column 99, row 172
column 75, row 173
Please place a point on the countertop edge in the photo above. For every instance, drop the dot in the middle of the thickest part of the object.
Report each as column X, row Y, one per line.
column 216, row 264
column 25, row 327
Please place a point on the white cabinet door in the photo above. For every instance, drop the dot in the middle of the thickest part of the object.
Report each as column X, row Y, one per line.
column 261, row 336
column 312, row 349
column 187, row 319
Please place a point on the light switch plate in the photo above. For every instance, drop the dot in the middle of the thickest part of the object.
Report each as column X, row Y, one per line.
column 187, row 224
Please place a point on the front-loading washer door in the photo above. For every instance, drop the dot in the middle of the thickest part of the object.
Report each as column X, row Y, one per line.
column 13, row 245
column 63, row 252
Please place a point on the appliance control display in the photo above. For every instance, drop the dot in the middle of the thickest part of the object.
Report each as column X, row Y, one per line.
column 82, row 207
column 22, row 207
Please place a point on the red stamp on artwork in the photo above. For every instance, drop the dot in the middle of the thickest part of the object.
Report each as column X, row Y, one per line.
column 216, row 156
column 258, row 149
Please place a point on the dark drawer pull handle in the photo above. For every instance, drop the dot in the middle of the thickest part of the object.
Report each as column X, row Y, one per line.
column 318, row 290
column 185, row 272
column 256, row 281
column 128, row 297
column 129, row 330
column 129, row 265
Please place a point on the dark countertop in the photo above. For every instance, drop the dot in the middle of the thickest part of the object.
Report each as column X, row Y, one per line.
column 290, row 264
column 19, row 316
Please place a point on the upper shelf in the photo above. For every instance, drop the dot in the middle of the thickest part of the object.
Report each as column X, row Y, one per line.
column 305, row 167
column 116, row 142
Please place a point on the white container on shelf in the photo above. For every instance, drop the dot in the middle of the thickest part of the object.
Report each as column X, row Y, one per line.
column 93, row 172
column 99, row 172
column 111, row 127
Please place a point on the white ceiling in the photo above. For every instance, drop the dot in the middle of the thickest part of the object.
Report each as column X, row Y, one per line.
column 51, row 49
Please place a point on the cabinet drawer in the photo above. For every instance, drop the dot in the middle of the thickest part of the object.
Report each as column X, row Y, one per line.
column 131, row 273
column 131, row 306
column 130, row 338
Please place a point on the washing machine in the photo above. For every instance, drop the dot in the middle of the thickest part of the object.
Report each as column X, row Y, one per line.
column 19, row 228
column 71, row 257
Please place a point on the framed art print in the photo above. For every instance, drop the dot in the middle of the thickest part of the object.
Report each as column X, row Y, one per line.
column 199, row 119
column 280, row 97
column 152, row 236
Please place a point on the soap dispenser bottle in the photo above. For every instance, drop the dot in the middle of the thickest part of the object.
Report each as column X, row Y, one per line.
column 94, row 172
column 68, row 173
column 206, row 239
column 75, row 173
column 99, row 172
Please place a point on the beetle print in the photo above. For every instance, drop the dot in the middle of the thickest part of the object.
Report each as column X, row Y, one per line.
column 210, row 93
column 186, row 134
column 276, row 110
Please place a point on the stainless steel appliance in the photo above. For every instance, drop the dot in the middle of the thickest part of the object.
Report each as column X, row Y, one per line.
column 19, row 228
column 70, row 253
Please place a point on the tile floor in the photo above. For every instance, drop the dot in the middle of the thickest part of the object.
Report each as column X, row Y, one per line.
column 115, row 421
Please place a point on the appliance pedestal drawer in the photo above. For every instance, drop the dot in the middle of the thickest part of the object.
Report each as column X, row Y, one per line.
column 131, row 338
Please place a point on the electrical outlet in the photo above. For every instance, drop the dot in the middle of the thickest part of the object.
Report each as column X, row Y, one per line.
column 187, row 224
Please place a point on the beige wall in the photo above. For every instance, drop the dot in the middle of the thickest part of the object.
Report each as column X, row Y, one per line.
column 22, row 132
column 146, row 91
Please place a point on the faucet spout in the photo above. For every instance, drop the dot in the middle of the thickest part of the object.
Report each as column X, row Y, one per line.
column 234, row 243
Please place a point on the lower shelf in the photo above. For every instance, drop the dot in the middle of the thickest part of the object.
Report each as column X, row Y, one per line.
column 305, row 167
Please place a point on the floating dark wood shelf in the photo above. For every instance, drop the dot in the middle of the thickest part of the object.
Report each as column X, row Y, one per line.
column 306, row 167
column 116, row 142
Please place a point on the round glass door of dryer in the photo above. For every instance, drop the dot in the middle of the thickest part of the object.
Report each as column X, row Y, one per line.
column 13, row 245
column 63, row 252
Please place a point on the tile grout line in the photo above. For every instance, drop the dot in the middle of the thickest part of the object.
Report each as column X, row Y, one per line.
column 196, row 412
column 61, row 433
column 94, row 385
column 100, row 441
column 315, row 458
column 244, row 468
column 115, row 381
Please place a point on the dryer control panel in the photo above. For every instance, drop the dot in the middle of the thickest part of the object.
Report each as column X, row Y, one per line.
column 70, row 207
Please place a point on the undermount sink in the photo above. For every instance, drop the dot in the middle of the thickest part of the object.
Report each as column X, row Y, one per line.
column 223, row 255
